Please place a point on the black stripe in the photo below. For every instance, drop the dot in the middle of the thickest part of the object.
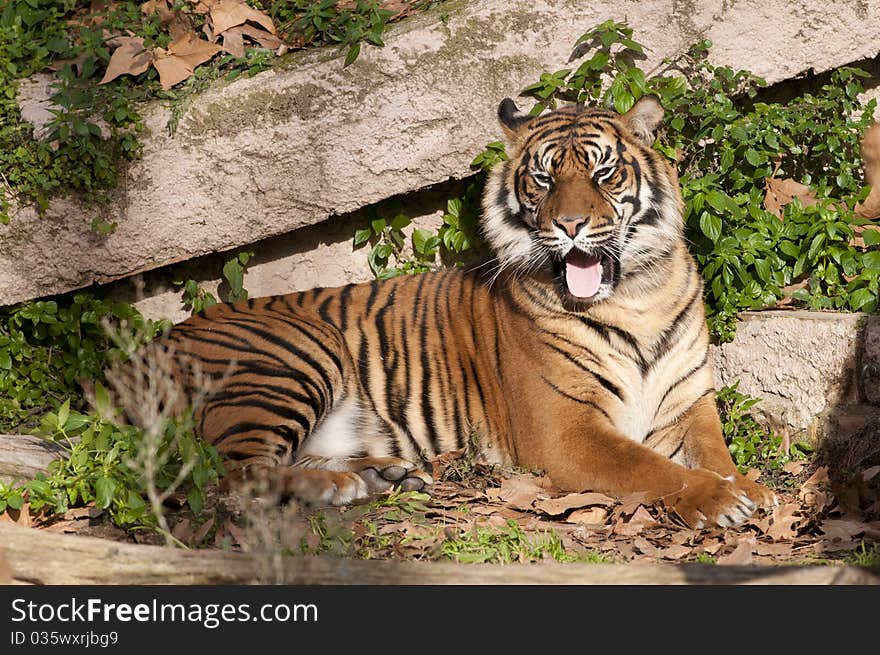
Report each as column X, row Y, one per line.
column 425, row 395
column 582, row 401
column 681, row 380
column 605, row 382
column 344, row 300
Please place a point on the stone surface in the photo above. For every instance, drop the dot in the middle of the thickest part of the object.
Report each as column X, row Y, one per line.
column 815, row 371
column 294, row 146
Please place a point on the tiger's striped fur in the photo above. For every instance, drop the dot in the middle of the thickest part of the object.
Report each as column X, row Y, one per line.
column 582, row 350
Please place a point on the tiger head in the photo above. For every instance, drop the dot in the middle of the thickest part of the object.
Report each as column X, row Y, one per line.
column 583, row 201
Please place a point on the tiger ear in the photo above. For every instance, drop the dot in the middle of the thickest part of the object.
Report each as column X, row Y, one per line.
column 644, row 118
column 511, row 118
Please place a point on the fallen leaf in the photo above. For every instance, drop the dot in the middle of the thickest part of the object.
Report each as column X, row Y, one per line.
column 674, row 552
column 842, row 529
column 238, row 534
column 782, row 549
column 202, row 531
column 781, row 192
column 640, row 520
column 232, row 13
column 129, row 58
column 753, row 474
column 741, row 555
column 160, row 7
column 641, row 515
column 520, row 491
column 813, row 492
column 793, row 467
column 870, row 207
column 182, row 57
column 589, row 515
column 559, row 506
column 264, row 38
column 629, row 504
column 643, row 546
column 183, row 531
column 781, row 522
column 713, row 547
column 870, row 473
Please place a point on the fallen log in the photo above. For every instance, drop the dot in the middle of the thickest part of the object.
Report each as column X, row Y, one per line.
column 39, row 557
column 22, row 456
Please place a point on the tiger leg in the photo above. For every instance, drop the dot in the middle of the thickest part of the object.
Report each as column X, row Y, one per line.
column 351, row 440
column 594, row 455
column 702, row 446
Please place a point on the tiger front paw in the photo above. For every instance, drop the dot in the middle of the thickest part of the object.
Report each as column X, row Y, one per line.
column 708, row 499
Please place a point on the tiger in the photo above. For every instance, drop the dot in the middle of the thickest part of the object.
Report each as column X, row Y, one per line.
column 579, row 348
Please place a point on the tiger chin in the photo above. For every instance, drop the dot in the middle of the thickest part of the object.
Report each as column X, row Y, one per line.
column 581, row 349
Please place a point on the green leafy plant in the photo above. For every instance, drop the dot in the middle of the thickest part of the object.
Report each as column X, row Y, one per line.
column 750, row 444
column 98, row 468
column 388, row 256
column 47, row 346
column 507, row 545
column 233, row 273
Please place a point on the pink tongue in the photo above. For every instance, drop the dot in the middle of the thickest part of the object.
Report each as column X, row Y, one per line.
column 583, row 274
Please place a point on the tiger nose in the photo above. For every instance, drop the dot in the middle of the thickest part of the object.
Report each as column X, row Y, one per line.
column 571, row 225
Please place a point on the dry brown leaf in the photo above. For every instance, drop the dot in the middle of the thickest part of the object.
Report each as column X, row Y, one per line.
column 870, row 208
column 161, row 7
column 870, row 473
column 202, row 531
column 129, row 58
column 674, row 552
column 183, row 531
column 781, row 192
column 813, row 492
column 193, row 50
column 741, row 555
column 782, row 549
column 266, row 40
column 641, row 515
column 520, row 491
column 753, row 474
column 182, row 57
column 793, row 468
column 559, row 506
column 781, row 522
column 591, row 515
column 232, row 13
column 643, row 546
column 713, row 547
column 842, row 529
column 238, row 534
column 627, row 528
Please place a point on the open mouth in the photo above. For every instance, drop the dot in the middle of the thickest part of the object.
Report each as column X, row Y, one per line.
column 584, row 273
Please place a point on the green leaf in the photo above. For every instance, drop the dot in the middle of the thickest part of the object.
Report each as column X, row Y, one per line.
column 859, row 298
column 400, row 221
column 710, row 225
column 196, row 499
column 362, row 236
column 352, row 54
column 871, row 237
column 871, row 260
column 63, row 413
column 420, row 240
column 378, row 225
column 104, row 489
column 754, row 157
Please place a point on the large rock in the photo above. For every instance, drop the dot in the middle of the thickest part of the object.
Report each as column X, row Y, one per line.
column 816, row 372
column 293, row 146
